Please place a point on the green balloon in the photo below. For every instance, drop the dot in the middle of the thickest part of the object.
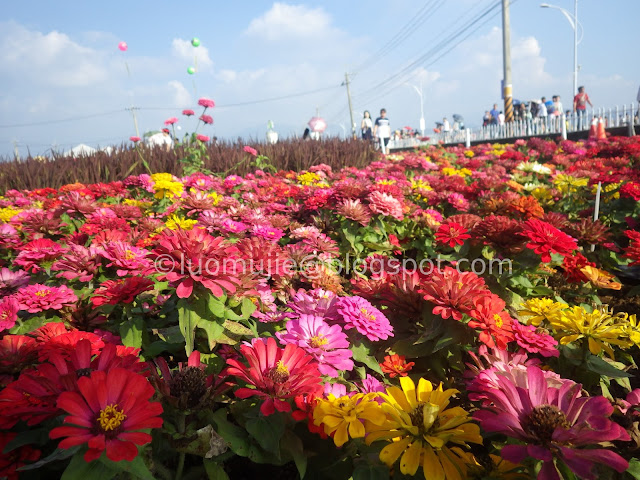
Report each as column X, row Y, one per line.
column 191, row 70
column 195, row 42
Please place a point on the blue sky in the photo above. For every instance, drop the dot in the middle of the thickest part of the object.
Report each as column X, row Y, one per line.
column 60, row 61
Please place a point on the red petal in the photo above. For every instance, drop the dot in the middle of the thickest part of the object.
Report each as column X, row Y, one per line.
column 117, row 450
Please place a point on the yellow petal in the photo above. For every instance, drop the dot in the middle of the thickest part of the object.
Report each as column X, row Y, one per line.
column 594, row 346
column 391, row 452
column 411, row 458
column 398, row 397
column 409, row 389
column 429, row 414
column 341, row 437
column 424, row 390
column 356, row 429
column 431, row 465
column 451, row 470
column 435, row 442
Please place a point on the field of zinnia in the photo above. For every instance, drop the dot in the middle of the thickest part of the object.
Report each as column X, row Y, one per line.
column 442, row 314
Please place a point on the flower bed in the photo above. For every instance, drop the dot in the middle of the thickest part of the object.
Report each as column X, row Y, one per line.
column 447, row 314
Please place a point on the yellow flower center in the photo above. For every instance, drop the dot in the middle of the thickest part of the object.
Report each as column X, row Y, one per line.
column 43, row 293
column 111, row 417
column 279, row 373
column 318, row 341
column 498, row 320
column 129, row 255
column 368, row 315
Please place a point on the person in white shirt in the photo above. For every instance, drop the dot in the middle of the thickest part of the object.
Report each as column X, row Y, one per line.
column 366, row 126
column 382, row 130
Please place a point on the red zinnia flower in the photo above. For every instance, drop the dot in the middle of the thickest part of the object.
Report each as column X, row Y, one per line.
column 16, row 458
column 396, row 365
column 188, row 112
column 453, row 292
column 37, row 253
column 493, row 322
column 633, row 250
column 134, row 139
column 54, row 338
column 31, row 399
column 206, row 103
column 208, row 119
column 17, row 352
column 545, row 239
column 107, row 412
column 191, row 256
column 451, row 233
column 276, row 373
column 202, row 138
column 124, row 290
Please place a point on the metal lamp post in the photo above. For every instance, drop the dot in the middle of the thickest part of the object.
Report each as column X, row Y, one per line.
column 419, row 92
column 573, row 21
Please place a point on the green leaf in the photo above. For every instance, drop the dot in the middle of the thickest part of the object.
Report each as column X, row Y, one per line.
column 236, row 437
column 136, row 468
column 34, row 436
column 634, row 468
column 29, row 325
column 247, row 308
column 214, row 331
column 602, row 367
column 237, row 328
column 188, row 321
column 361, row 354
column 79, row 469
column 267, row 431
column 292, row 444
column 216, row 306
column 214, row 470
column 131, row 332
column 57, row 454
column 366, row 471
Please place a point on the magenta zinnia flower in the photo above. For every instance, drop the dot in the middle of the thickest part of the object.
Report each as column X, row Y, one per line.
column 202, row 138
column 134, row 139
column 535, row 340
column 208, row 119
column 318, row 302
column 358, row 313
column 327, row 344
column 8, row 313
column 276, row 373
column 38, row 298
column 80, row 263
column 555, row 423
column 107, row 413
column 170, row 121
column 127, row 259
column 188, row 112
column 38, row 253
column 194, row 256
column 250, row 150
column 123, row 290
column 12, row 281
column 206, row 102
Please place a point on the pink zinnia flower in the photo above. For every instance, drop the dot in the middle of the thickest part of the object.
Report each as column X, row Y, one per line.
column 188, row 112
column 250, row 150
column 206, row 103
column 265, row 231
column 231, row 226
column 534, row 341
column 277, row 374
column 38, row 253
column 322, row 303
column 554, row 423
column 208, row 119
column 358, row 313
column 385, row 204
column 38, row 298
column 327, row 344
column 126, row 258
column 202, row 138
column 170, row 121
column 457, row 201
column 12, row 281
column 134, row 139
column 9, row 307
column 80, row 263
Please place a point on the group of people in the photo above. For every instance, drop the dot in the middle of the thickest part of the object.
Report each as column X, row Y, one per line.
column 380, row 129
column 542, row 109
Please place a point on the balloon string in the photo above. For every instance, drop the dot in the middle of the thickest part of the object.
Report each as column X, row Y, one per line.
column 128, row 71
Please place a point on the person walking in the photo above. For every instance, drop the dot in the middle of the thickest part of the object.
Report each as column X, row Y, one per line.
column 494, row 114
column 446, row 129
column 366, row 126
column 382, row 130
column 580, row 106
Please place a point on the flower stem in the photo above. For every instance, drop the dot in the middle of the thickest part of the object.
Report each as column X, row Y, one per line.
column 181, row 427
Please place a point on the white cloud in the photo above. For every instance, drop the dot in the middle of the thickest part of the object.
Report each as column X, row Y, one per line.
column 181, row 96
column 193, row 56
column 284, row 21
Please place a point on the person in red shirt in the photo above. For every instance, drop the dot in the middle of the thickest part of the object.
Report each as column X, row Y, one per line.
column 580, row 105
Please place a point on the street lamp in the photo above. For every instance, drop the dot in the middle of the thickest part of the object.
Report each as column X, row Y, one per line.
column 573, row 21
column 419, row 92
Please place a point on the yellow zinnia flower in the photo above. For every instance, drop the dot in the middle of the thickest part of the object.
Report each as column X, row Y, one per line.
column 535, row 310
column 597, row 327
column 8, row 213
column 629, row 326
column 568, row 183
column 165, row 186
column 343, row 415
column 422, row 430
column 175, row 222
column 308, row 178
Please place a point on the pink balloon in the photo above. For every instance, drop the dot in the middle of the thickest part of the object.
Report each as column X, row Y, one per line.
column 123, row 46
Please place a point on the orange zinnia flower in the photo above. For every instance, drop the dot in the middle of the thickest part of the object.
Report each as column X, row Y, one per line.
column 396, row 365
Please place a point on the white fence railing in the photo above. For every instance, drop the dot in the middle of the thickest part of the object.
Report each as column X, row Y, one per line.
column 551, row 125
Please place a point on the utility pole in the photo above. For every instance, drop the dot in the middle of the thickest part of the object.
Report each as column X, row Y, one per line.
column 506, row 59
column 353, row 125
